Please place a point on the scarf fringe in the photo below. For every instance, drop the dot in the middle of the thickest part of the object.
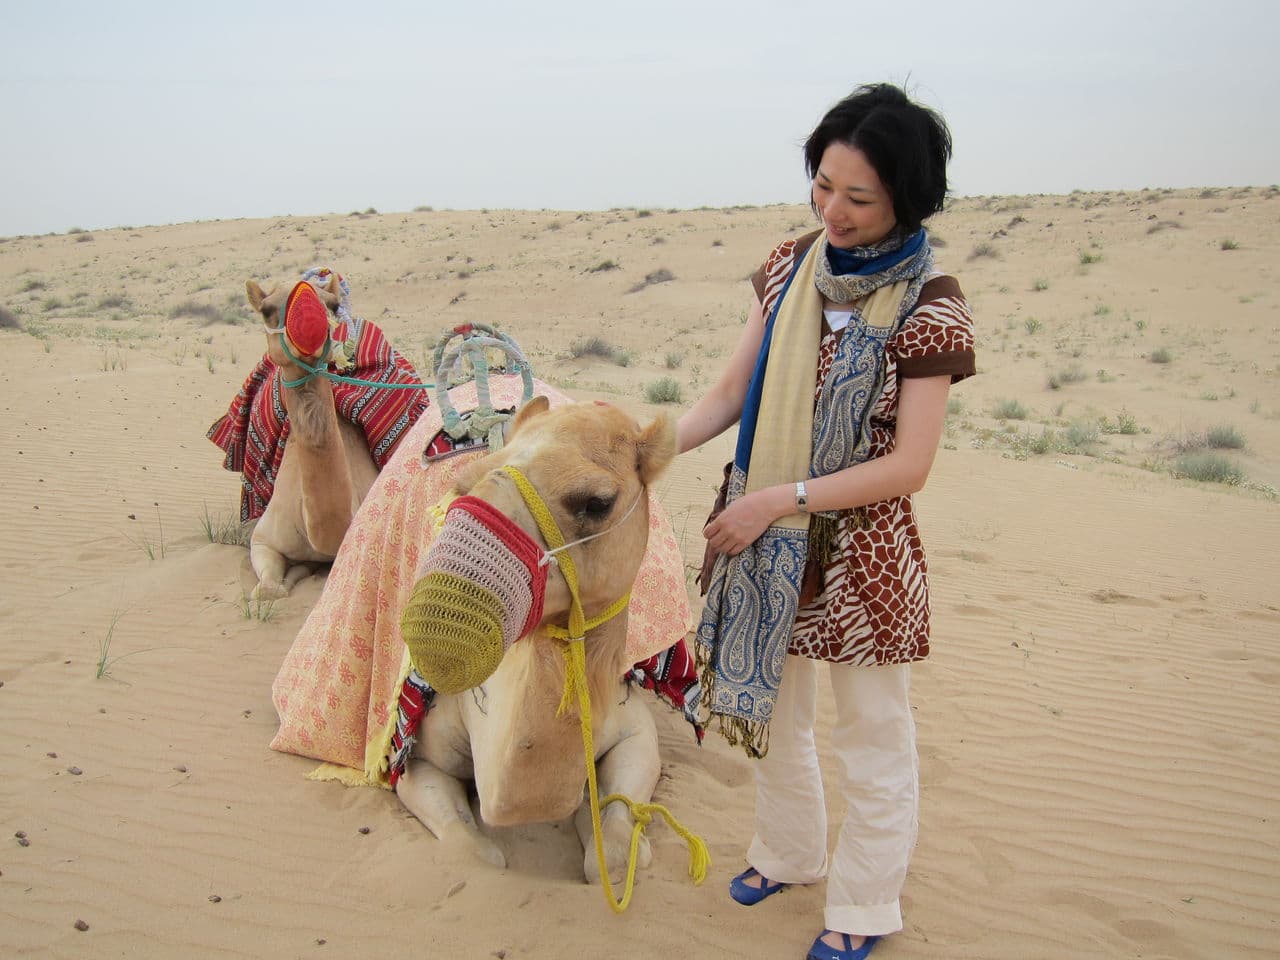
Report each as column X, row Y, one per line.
column 753, row 737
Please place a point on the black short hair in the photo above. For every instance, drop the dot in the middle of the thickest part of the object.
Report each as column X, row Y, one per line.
column 907, row 143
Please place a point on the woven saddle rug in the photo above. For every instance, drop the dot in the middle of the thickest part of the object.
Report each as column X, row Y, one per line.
column 254, row 430
column 339, row 687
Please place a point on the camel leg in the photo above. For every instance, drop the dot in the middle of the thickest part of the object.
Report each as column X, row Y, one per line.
column 630, row 767
column 440, row 802
column 272, row 570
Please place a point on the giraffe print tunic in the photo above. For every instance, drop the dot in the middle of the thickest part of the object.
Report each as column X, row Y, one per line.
column 874, row 606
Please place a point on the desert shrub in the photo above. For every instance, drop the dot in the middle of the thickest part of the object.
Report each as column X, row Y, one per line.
column 661, row 275
column 1045, row 443
column 52, row 303
column 663, row 390
column 224, row 528
column 984, row 249
column 196, row 311
column 1229, row 244
column 9, row 320
column 1032, row 324
column 673, row 360
column 1040, row 285
column 1072, row 374
column 602, row 266
column 1087, row 258
column 84, row 237
column 1208, row 467
column 1224, row 437
column 1161, row 355
column 1009, row 410
column 1125, row 423
column 1081, row 435
column 955, row 407
column 31, row 284
column 113, row 301
column 593, row 347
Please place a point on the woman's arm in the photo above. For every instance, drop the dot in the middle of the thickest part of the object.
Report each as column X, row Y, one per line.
column 922, row 409
column 722, row 405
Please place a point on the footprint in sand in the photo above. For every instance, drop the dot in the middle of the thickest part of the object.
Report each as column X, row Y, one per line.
column 1107, row 595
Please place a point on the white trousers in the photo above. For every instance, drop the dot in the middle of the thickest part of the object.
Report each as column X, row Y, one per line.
column 874, row 740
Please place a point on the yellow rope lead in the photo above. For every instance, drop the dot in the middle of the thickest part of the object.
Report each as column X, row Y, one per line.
column 575, row 687
column 699, row 858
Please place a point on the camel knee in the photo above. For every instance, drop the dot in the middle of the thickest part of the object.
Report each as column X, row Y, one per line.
column 325, row 534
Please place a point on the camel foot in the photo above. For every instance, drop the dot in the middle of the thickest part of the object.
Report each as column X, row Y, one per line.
column 617, row 851
column 476, row 844
column 268, row 590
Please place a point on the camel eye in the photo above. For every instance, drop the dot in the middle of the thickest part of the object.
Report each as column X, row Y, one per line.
column 268, row 312
column 589, row 507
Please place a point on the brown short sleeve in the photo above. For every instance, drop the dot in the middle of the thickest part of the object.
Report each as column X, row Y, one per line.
column 937, row 339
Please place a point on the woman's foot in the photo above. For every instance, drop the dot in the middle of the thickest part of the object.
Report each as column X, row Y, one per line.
column 832, row 945
column 751, row 886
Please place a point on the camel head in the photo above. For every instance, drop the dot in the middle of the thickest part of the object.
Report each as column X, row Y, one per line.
column 269, row 306
column 591, row 465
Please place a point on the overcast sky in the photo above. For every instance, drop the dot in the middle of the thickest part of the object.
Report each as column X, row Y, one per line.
column 133, row 113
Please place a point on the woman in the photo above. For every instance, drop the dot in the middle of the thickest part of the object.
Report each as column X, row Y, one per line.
column 839, row 384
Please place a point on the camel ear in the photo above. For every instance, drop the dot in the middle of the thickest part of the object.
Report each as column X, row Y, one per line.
column 656, row 448
column 538, row 405
column 255, row 293
column 331, row 293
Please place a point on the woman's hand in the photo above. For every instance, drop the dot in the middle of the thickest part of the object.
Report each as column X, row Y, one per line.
column 742, row 522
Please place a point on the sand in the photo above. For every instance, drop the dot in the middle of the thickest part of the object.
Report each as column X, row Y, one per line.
column 1097, row 724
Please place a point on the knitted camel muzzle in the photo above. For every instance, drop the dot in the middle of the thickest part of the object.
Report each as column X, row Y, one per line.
column 306, row 320
column 480, row 589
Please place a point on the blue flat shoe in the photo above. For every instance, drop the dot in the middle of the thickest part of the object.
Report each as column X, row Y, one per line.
column 821, row 950
column 748, row 895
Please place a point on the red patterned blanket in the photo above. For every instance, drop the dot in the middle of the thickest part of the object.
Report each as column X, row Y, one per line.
column 253, row 432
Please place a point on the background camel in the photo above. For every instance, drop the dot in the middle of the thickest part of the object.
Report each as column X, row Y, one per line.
column 307, row 448
column 326, row 470
column 592, row 465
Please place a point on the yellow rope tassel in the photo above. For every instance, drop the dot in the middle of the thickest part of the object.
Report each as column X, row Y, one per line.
column 699, row 858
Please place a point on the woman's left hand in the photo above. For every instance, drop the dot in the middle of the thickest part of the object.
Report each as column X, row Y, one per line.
column 740, row 523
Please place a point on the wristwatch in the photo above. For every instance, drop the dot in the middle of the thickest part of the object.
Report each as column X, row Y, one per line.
column 802, row 498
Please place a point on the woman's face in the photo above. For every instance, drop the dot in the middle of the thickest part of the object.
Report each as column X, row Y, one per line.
column 854, row 204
